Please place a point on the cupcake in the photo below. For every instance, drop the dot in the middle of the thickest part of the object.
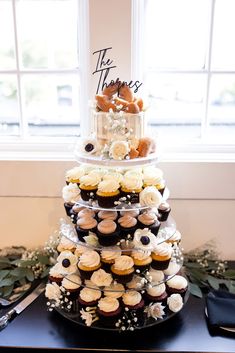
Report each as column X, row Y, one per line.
column 164, row 210
column 153, row 176
column 161, row 256
column 66, row 244
column 115, row 290
column 137, row 283
column 89, row 297
column 149, row 220
column 111, row 215
column 126, row 246
column 144, row 240
column 67, row 263
column 156, row 293
column 72, row 284
column 108, row 193
column 131, row 187
column 55, row 274
column 101, row 278
column 84, row 226
column 175, row 238
column 161, row 186
column 177, row 284
column 80, row 249
column 132, row 213
column 123, row 269
column 74, row 175
column 133, row 300
column 155, row 276
column 172, row 269
column 74, row 212
column 107, row 232
column 88, row 263
column 113, row 176
column 86, row 212
column 108, row 256
column 127, row 225
column 70, row 194
column 142, row 259
column 89, row 186
column 109, row 310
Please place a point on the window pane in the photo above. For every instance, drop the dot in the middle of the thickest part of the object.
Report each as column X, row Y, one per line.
column 47, row 33
column 222, row 108
column 7, row 49
column 9, row 112
column 51, row 104
column 176, row 104
column 223, row 50
column 176, row 33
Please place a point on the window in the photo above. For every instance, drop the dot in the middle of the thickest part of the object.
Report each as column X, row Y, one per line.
column 39, row 68
column 189, row 69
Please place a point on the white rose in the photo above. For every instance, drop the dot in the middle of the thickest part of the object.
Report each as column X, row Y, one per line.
column 53, row 291
column 119, row 150
column 175, row 302
column 150, row 196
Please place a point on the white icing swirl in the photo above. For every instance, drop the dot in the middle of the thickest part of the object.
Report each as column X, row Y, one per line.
column 172, row 269
column 71, row 193
column 90, row 180
column 101, row 278
column 177, row 282
column 123, row 262
column 156, row 291
column 150, row 196
column 75, row 173
column 132, row 182
column 111, row 253
column 109, row 185
column 108, row 304
column 89, row 259
column 55, row 271
column 163, row 249
column 155, row 275
column 119, row 150
column 91, row 239
column 65, row 244
column 140, row 254
column 137, row 282
column 175, row 237
column 80, row 249
column 131, row 298
column 89, row 295
column 115, row 290
column 114, row 176
column 53, row 292
column 175, row 302
column 71, row 282
column 152, row 176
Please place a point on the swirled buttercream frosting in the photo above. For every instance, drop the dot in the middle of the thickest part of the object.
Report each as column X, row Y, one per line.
column 89, row 295
column 71, row 193
column 127, row 221
column 123, row 262
column 115, row 290
column 87, row 222
column 107, row 226
column 131, row 298
column 90, row 180
column 132, row 182
column 156, row 291
column 108, row 304
column 109, row 185
column 112, row 215
column 89, row 259
column 71, row 282
column 146, row 219
column 110, row 253
column 163, row 249
column 101, row 278
column 177, row 282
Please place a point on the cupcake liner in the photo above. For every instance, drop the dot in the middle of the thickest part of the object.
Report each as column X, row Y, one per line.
column 171, row 290
column 86, row 195
column 123, row 279
column 107, row 201
column 109, row 319
column 132, row 197
column 108, row 239
column 156, row 299
column 160, row 265
column 68, row 206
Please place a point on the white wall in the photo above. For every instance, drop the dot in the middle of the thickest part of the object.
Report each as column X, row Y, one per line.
column 202, row 193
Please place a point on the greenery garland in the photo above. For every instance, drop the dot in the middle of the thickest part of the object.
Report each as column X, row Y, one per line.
column 19, row 267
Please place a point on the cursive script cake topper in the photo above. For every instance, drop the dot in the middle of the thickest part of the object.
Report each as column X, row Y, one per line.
column 103, row 67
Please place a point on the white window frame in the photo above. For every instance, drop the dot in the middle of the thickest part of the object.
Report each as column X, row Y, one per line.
column 29, row 147
column 201, row 150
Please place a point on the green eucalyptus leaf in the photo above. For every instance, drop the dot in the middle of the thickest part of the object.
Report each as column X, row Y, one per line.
column 195, row 290
column 29, row 275
column 43, row 259
column 25, row 263
column 192, row 265
column 6, row 291
column 3, row 273
column 45, row 273
column 4, row 265
column 4, row 260
column 19, row 272
column 229, row 274
column 7, row 282
column 213, row 282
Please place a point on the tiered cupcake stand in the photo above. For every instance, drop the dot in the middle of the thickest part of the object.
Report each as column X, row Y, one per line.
column 128, row 320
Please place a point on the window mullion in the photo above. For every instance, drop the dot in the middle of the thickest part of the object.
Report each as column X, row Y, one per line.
column 23, row 122
column 205, row 119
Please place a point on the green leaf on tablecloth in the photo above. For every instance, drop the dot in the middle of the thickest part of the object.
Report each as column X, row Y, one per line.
column 4, row 260
column 213, row 282
column 6, row 291
column 19, row 272
column 43, row 259
column 24, row 263
column 29, row 275
column 4, row 265
column 192, row 264
column 22, row 281
column 195, row 290
column 45, row 273
column 229, row 274
column 3, row 274
column 7, row 282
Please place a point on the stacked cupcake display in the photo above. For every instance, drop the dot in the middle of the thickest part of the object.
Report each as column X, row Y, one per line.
column 119, row 262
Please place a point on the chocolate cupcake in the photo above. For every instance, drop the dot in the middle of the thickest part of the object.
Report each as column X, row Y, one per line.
column 71, row 194
column 111, row 215
column 177, row 284
column 88, row 263
column 74, row 175
column 149, row 220
column 86, row 212
column 123, row 269
column 108, row 193
column 89, row 297
column 156, row 293
column 155, row 276
column 72, row 284
column 131, row 187
column 127, row 225
column 164, row 210
column 55, row 274
column 84, row 226
column 108, row 256
column 109, row 311
column 89, row 186
column 107, row 232
column 133, row 300
column 161, row 256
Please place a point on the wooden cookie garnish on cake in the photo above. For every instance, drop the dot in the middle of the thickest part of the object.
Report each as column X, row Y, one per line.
column 133, row 153
column 145, row 145
column 126, row 93
column 104, row 104
column 140, row 103
column 132, row 108
column 110, row 90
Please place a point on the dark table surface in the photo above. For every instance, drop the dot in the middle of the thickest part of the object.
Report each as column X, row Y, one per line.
column 37, row 329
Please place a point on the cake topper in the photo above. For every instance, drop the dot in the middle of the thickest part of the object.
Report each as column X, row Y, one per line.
column 103, row 67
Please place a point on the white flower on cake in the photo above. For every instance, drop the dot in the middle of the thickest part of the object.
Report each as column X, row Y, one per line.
column 150, row 196
column 89, row 146
column 87, row 317
column 119, row 150
column 67, row 262
column 175, row 302
column 101, row 278
column 91, row 239
column 144, row 239
column 156, row 311
column 53, row 292
column 71, row 193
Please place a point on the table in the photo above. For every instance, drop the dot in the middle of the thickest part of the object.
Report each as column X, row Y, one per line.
column 36, row 329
